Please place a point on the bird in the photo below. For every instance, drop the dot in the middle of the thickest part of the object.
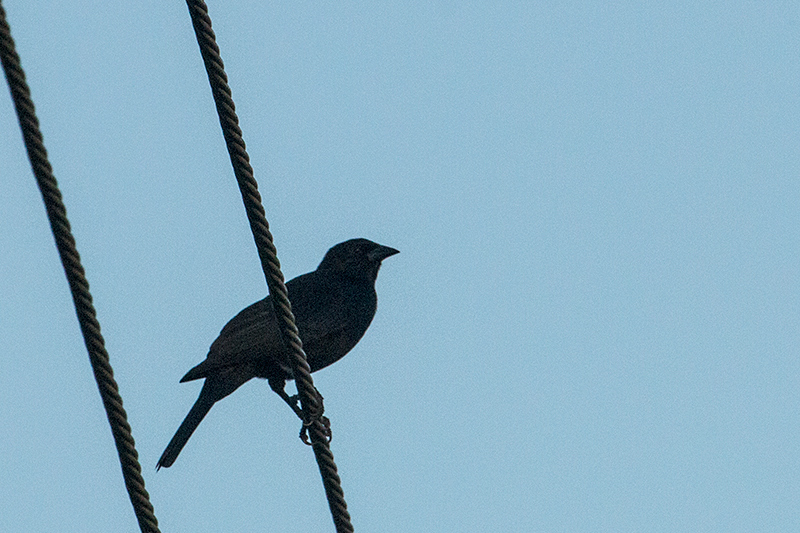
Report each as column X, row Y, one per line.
column 333, row 307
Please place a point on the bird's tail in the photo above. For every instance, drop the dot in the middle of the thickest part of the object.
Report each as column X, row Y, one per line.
column 199, row 410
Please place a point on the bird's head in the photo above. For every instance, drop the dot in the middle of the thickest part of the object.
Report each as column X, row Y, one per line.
column 356, row 258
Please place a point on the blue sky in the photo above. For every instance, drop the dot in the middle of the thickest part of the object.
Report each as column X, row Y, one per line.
column 593, row 321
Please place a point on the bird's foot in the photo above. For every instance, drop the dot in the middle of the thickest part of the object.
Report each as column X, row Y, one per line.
column 326, row 430
column 314, row 416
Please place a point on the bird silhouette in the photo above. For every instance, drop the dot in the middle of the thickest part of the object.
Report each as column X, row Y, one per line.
column 333, row 307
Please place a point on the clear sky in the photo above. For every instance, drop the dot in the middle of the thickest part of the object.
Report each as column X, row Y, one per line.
column 593, row 321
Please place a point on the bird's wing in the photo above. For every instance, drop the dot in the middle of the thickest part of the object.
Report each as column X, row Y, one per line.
column 251, row 334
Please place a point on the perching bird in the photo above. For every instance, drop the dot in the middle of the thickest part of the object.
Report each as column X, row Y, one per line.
column 333, row 307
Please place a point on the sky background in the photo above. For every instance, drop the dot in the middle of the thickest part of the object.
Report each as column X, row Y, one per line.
column 593, row 321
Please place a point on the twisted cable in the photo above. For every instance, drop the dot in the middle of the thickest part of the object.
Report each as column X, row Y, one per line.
column 311, row 405
column 79, row 286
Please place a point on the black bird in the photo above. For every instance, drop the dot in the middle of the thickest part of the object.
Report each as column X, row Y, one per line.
column 333, row 307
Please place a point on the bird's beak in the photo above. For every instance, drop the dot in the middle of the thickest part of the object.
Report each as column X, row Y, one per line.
column 381, row 252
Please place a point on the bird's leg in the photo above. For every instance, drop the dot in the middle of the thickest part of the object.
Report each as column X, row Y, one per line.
column 278, row 386
column 316, row 416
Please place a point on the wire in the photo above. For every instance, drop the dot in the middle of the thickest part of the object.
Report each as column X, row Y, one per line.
column 311, row 404
column 79, row 286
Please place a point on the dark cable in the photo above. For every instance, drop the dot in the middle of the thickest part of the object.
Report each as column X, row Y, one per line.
column 311, row 405
column 87, row 317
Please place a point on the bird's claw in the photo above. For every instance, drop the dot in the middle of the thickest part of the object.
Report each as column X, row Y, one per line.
column 316, row 416
column 326, row 430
